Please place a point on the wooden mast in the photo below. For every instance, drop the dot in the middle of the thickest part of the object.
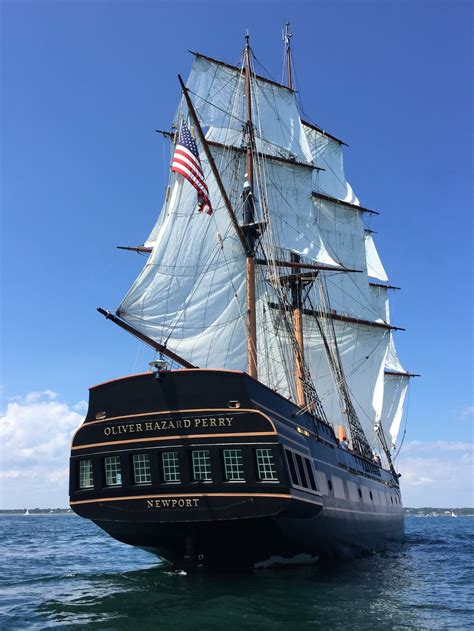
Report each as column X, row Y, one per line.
column 144, row 338
column 297, row 315
column 289, row 71
column 249, row 227
column 297, row 282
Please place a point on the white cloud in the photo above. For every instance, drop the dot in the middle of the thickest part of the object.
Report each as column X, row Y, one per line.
column 438, row 473
column 467, row 411
column 80, row 406
column 35, row 436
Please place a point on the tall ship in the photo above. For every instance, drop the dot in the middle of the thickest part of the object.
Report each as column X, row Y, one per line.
column 263, row 431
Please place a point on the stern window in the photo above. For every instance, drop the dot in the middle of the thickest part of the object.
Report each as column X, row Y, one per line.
column 113, row 471
column 265, row 464
column 202, row 465
column 86, row 475
column 291, row 465
column 170, row 466
column 309, row 469
column 299, row 462
column 233, row 464
column 141, row 469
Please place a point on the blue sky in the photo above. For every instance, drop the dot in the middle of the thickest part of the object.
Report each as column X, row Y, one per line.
column 85, row 84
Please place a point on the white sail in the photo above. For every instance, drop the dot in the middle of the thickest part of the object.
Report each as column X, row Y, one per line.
column 218, row 94
column 380, row 301
column 343, row 232
column 362, row 350
column 172, row 191
column 275, row 352
column 392, row 362
column 395, row 390
column 327, row 153
column 286, row 190
column 375, row 268
column 191, row 295
column 191, row 292
column 396, row 381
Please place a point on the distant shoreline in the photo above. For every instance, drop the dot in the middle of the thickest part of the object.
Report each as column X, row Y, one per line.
column 415, row 512
column 36, row 511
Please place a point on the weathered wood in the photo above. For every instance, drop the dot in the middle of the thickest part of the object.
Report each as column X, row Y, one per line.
column 138, row 248
column 144, row 338
column 315, row 266
column 342, row 318
column 297, row 318
column 382, row 285
column 396, row 373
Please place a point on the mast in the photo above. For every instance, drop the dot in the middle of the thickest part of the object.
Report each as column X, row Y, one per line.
column 296, row 283
column 286, row 39
column 249, row 225
column 297, row 316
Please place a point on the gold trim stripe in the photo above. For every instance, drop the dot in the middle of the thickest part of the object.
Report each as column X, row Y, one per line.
column 210, row 410
column 173, row 495
column 175, row 437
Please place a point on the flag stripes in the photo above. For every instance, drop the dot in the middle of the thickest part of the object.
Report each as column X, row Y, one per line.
column 186, row 162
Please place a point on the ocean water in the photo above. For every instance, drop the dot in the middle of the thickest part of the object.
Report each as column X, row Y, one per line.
column 62, row 571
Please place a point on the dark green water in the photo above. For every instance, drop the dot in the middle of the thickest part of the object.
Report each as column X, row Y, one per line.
column 61, row 571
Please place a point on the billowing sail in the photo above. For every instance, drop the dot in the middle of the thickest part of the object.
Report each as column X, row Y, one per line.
column 380, row 301
column 327, row 153
column 191, row 294
column 286, row 190
column 342, row 229
column 362, row 350
column 396, row 381
column 218, row 93
column 375, row 268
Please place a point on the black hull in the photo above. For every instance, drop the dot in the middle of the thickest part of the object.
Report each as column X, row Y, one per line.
column 258, row 542
column 329, row 503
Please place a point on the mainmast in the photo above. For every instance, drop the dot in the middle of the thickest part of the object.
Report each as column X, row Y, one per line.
column 249, row 223
column 296, row 286
column 286, row 38
column 297, row 283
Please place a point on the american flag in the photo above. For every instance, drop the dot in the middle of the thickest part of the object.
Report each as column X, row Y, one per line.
column 186, row 162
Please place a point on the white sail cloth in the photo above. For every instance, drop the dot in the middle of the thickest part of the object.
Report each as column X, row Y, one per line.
column 327, row 153
column 343, row 232
column 380, row 301
column 292, row 226
column 191, row 292
column 218, row 94
column 396, row 381
column 191, row 295
column 375, row 268
column 362, row 350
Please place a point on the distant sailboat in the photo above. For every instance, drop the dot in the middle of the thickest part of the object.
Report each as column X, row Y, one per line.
column 453, row 514
column 27, row 512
